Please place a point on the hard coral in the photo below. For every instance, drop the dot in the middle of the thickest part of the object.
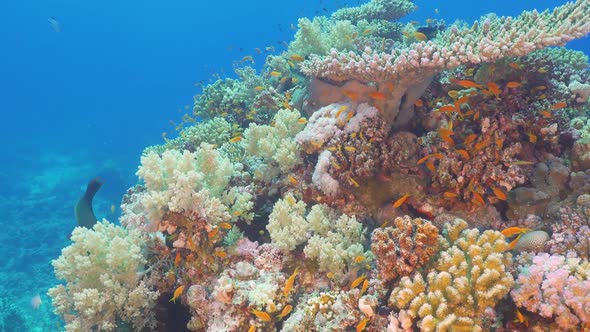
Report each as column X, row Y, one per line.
column 407, row 246
column 468, row 277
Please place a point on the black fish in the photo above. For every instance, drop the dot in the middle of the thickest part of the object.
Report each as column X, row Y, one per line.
column 84, row 214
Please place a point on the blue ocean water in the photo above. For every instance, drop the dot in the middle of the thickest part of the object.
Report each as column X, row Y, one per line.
column 86, row 100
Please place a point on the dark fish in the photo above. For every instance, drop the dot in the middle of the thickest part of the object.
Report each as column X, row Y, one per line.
column 84, row 214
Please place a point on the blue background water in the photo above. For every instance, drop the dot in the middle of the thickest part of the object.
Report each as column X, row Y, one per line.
column 87, row 100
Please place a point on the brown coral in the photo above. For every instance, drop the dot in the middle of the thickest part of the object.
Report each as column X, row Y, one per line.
column 401, row 249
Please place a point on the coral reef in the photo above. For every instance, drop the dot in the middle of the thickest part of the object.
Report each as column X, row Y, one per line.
column 430, row 139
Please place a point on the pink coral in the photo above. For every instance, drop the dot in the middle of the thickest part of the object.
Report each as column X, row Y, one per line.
column 550, row 288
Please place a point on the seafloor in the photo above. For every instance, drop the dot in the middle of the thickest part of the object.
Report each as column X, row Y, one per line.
column 376, row 176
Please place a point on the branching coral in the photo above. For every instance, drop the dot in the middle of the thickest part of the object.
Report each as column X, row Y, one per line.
column 468, row 277
column 389, row 10
column 401, row 249
column 103, row 286
column 555, row 287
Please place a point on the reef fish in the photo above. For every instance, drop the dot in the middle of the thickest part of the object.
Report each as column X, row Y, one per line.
column 84, row 214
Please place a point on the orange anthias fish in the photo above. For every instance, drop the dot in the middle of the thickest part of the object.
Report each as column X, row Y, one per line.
column 263, row 316
column 296, row 58
column 447, row 108
column 510, row 231
column 357, row 281
column 420, row 36
column 177, row 293
column 468, row 84
column 494, row 88
column 401, row 201
column 362, row 325
column 275, row 74
column 364, row 287
column 177, row 259
column 499, row 193
column 559, row 105
column 353, row 96
column 377, row 95
column 289, row 283
column 513, row 85
column 286, row 310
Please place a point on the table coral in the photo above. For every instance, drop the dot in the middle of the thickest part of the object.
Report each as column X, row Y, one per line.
column 468, row 277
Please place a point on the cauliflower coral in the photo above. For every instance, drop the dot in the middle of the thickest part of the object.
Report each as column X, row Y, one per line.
column 102, row 284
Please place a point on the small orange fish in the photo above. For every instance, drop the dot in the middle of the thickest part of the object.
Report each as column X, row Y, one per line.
column 430, row 165
column 362, row 325
column 469, row 139
column 289, row 283
column 359, row 259
column 275, row 74
column 225, row 225
column 263, row 316
column 500, row 143
column 302, row 121
column 510, row 231
column 538, row 88
column 532, row 137
column 448, row 194
column 259, row 88
column 349, row 116
column 377, row 95
column 364, row 287
column 177, row 293
column 190, row 244
column 286, row 310
column 177, row 259
column 477, row 199
column 501, row 195
column 515, row 65
column 447, row 108
column 252, row 328
column 335, row 164
column 420, row 36
column 353, row 96
column 463, row 153
column 357, row 281
column 296, row 58
column 520, row 318
column 353, row 182
column 513, row 84
column 461, row 100
column 292, row 179
column 559, row 106
column 401, row 201
column 350, row 148
column 522, row 162
column 213, row 232
column 237, row 213
column 448, row 139
column 494, row 88
column 340, row 110
column 546, row 114
column 542, row 70
column 235, row 139
column 419, row 103
column 476, row 115
column 220, row 253
column 445, row 132
column 468, row 84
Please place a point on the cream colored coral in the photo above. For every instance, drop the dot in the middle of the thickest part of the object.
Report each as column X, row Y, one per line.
column 469, row 276
column 275, row 143
column 287, row 226
column 186, row 182
column 102, row 285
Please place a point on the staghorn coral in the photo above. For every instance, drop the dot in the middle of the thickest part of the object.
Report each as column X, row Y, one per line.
column 406, row 246
column 554, row 286
column 468, row 277
column 103, row 284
